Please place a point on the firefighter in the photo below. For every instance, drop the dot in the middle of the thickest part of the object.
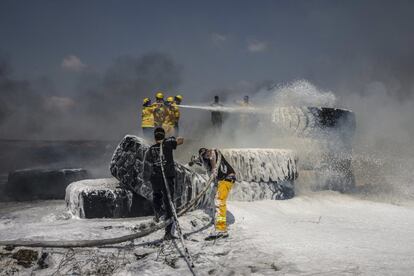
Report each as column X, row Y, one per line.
column 158, row 174
column 159, row 110
column 216, row 116
column 147, row 118
column 170, row 117
column 245, row 118
column 226, row 177
column 177, row 101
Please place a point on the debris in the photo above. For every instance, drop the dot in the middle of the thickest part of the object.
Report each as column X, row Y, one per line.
column 141, row 256
column 9, row 247
column 44, row 261
column 25, row 257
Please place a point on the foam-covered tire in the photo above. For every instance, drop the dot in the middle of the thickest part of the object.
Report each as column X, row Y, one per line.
column 104, row 198
column 275, row 168
column 262, row 165
column 128, row 166
column 315, row 121
column 262, row 173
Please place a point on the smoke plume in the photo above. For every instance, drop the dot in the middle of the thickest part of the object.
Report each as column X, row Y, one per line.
column 104, row 106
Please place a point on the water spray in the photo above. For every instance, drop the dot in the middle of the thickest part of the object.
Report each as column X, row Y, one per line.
column 227, row 109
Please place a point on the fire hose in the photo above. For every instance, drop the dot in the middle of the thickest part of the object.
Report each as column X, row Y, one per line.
column 100, row 242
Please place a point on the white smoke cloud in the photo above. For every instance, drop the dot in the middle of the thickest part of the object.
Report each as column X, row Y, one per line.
column 256, row 46
column 73, row 63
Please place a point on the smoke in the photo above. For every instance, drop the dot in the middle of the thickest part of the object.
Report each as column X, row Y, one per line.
column 20, row 105
column 382, row 148
column 103, row 106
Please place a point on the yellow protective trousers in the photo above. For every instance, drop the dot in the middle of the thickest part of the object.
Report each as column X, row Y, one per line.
column 223, row 190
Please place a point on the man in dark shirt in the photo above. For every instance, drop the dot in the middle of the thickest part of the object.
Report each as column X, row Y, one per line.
column 160, row 196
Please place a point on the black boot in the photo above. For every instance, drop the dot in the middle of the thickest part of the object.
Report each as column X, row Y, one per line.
column 159, row 216
column 169, row 232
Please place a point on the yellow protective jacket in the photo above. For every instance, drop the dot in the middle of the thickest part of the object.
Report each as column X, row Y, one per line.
column 169, row 119
column 159, row 114
column 147, row 116
column 176, row 110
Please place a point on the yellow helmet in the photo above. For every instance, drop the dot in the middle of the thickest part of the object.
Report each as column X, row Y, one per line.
column 146, row 101
column 159, row 95
column 170, row 99
column 179, row 97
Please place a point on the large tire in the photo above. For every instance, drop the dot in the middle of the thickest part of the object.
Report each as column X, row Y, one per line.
column 327, row 135
column 128, row 166
column 262, row 165
column 320, row 122
column 262, row 173
column 104, row 198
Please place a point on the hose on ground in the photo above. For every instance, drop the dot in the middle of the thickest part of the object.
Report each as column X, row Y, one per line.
column 100, row 242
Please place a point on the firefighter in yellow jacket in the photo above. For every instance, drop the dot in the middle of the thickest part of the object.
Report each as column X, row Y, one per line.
column 226, row 177
column 159, row 110
column 170, row 117
column 177, row 101
column 147, row 118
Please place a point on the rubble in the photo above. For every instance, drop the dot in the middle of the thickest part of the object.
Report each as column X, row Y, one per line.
column 25, row 257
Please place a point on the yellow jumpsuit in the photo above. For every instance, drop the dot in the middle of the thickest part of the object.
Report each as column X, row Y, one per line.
column 223, row 190
column 176, row 110
column 159, row 114
column 226, row 178
column 147, row 116
column 169, row 121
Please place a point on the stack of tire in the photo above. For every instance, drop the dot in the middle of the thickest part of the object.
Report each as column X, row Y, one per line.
column 129, row 194
column 261, row 174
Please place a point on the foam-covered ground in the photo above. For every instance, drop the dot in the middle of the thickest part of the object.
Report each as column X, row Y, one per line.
column 316, row 234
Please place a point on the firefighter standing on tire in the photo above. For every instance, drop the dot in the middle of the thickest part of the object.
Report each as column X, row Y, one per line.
column 226, row 177
column 162, row 208
column 147, row 118
column 159, row 110
column 169, row 117
column 177, row 101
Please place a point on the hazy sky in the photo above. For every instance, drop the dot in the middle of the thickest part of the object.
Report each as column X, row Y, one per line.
column 217, row 43
column 67, row 52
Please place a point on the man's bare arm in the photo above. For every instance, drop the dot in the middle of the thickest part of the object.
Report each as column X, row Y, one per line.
column 212, row 157
column 180, row 140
